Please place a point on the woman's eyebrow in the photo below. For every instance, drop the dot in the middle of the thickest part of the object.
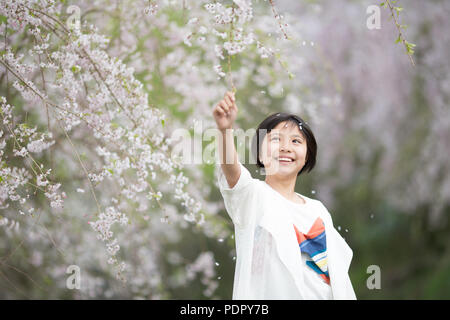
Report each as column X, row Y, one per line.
column 292, row 136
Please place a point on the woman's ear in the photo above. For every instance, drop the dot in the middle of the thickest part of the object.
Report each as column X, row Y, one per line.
column 261, row 161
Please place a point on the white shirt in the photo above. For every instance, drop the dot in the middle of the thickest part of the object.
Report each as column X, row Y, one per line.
column 303, row 216
column 269, row 264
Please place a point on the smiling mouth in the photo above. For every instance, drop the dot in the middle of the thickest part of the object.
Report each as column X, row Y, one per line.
column 284, row 160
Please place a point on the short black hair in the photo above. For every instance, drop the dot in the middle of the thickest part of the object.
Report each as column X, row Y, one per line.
column 271, row 122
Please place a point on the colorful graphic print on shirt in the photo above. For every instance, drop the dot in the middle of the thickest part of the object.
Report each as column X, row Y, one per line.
column 314, row 244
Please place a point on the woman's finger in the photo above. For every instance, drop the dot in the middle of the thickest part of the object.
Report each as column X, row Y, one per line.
column 220, row 110
column 230, row 94
column 224, row 105
column 225, row 112
column 228, row 101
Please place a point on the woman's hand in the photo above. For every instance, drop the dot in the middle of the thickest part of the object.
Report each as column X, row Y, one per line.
column 225, row 111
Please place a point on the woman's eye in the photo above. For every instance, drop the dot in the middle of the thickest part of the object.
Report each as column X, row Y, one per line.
column 274, row 138
column 297, row 141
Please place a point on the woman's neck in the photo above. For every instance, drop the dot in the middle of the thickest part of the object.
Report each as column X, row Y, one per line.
column 284, row 186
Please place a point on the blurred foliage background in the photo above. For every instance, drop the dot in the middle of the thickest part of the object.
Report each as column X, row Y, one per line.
column 382, row 127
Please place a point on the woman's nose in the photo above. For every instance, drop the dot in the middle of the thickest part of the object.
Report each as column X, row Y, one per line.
column 284, row 148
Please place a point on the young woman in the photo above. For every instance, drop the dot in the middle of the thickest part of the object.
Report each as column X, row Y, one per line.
column 286, row 244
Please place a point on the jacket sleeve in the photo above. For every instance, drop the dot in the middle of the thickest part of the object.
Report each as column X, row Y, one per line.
column 237, row 199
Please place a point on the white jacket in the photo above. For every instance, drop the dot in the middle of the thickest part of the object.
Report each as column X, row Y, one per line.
column 263, row 234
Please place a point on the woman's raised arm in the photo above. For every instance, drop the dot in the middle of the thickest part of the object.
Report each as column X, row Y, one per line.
column 224, row 114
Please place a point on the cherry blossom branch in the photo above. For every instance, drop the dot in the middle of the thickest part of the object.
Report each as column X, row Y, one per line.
column 13, row 285
column 5, row 258
column 34, row 91
column 54, row 105
column 83, row 166
column 20, row 146
column 24, row 273
column 278, row 17
column 231, row 40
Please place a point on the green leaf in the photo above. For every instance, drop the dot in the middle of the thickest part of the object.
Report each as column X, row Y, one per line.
column 409, row 47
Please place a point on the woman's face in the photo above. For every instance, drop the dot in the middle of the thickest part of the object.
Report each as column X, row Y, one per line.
column 283, row 150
